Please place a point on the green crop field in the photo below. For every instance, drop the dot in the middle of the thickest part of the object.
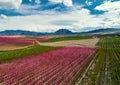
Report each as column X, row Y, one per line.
column 105, row 66
column 111, row 47
column 67, row 38
column 32, row 50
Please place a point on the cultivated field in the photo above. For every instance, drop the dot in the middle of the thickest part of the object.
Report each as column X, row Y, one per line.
column 104, row 68
column 46, row 68
column 84, row 42
column 67, row 60
column 14, row 42
column 12, row 46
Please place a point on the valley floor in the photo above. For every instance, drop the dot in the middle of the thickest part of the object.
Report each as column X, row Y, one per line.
column 78, row 62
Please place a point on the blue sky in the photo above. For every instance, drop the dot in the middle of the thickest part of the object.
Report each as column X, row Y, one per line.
column 51, row 15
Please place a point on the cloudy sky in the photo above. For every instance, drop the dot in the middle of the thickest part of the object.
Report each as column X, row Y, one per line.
column 51, row 15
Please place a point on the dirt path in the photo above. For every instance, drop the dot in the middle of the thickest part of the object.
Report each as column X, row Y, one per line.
column 85, row 42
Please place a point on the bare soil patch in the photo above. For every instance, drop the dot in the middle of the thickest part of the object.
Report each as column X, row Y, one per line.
column 12, row 46
column 85, row 42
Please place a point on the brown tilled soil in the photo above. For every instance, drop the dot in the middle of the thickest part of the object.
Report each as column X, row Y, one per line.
column 85, row 42
column 12, row 46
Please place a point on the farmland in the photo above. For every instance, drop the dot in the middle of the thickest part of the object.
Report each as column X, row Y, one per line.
column 104, row 68
column 44, row 69
column 32, row 50
column 83, row 42
column 66, row 38
column 18, row 42
column 12, row 43
column 84, row 64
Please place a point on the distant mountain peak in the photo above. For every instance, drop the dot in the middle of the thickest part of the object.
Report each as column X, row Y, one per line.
column 63, row 31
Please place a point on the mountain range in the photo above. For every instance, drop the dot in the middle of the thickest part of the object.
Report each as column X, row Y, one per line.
column 61, row 32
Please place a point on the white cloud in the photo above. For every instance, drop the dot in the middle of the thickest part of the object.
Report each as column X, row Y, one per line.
column 108, row 6
column 111, row 18
column 2, row 16
column 28, row 9
column 44, row 23
column 78, row 19
column 10, row 4
column 37, row 1
column 65, row 2
column 56, row 1
column 88, row 2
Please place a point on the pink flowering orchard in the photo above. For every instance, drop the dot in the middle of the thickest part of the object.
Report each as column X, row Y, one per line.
column 15, row 40
column 20, row 40
column 54, row 67
column 42, row 39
